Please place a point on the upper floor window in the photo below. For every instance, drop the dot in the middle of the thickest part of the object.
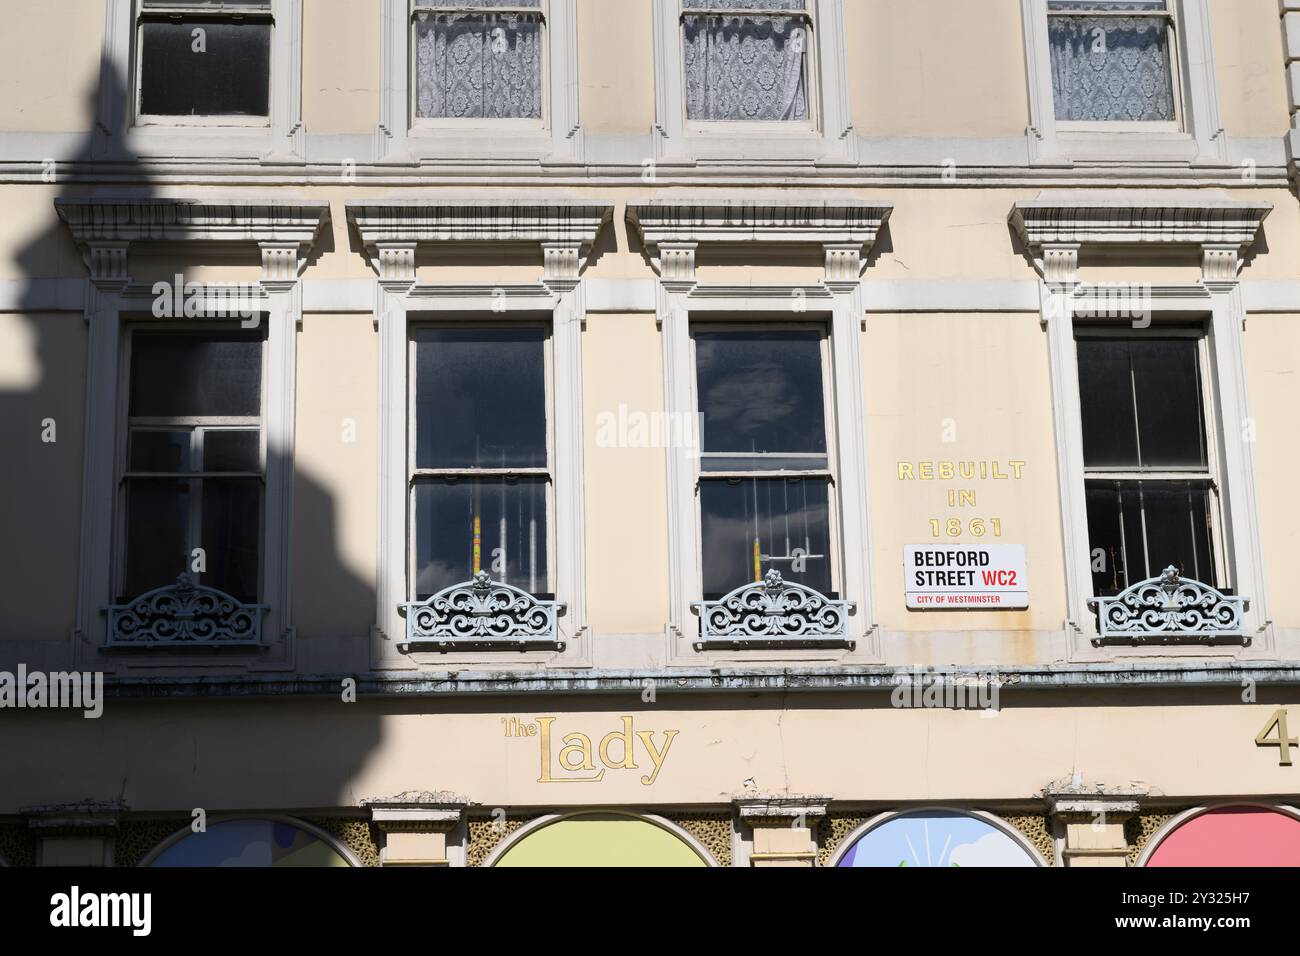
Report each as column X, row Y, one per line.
column 477, row 59
column 204, row 59
column 190, row 498
column 480, row 458
column 765, row 464
column 1150, row 471
column 1112, row 60
column 746, row 59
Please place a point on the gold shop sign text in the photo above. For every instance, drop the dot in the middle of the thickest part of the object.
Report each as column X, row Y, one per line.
column 624, row 748
column 963, row 497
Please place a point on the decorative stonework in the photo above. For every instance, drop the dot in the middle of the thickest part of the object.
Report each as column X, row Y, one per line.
column 832, row 830
column 280, row 262
column 665, row 226
column 1035, row 828
column 1169, row 609
column 185, row 613
column 395, row 261
column 107, row 262
column 1061, row 263
column 1139, row 829
column 481, row 612
column 711, row 830
column 353, row 833
column 774, row 612
column 486, row 834
column 843, row 261
column 191, row 220
column 1114, row 218
column 565, row 229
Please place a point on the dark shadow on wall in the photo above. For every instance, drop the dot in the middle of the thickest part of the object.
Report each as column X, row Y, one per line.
column 167, row 748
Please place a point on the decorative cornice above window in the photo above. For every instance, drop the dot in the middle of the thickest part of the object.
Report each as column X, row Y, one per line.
column 672, row 229
column 565, row 229
column 1144, row 218
column 1169, row 610
column 104, row 229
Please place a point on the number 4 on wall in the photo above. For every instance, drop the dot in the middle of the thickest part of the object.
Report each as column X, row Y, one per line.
column 1282, row 742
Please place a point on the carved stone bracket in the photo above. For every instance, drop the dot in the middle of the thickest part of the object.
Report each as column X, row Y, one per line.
column 395, row 262
column 107, row 262
column 417, row 826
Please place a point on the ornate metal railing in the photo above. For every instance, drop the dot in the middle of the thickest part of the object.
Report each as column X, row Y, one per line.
column 774, row 612
column 482, row 613
column 185, row 614
column 1169, row 609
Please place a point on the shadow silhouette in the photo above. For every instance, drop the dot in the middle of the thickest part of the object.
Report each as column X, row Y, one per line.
column 229, row 731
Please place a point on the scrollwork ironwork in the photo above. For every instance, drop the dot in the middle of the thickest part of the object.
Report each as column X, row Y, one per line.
column 482, row 612
column 1167, row 609
column 185, row 613
column 774, row 612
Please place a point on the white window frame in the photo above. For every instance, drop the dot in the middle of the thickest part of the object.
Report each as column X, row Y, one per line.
column 392, row 233
column 104, row 231
column 1195, row 136
column 444, row 126
column 121, row 128
column 418, row 322
column 198, row 426
column 1055, row 229
column 1168, row 328
column 672, row 230
column 830, row 473
column 826, row 137
column 555, row 138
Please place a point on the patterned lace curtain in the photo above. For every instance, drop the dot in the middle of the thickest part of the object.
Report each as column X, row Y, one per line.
column 1110, row 67
column 472, row 64
column 745, row 67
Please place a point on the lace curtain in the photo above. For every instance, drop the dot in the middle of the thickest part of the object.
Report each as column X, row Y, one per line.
column 1111, row 68
column 478, row 65
column 746, row 67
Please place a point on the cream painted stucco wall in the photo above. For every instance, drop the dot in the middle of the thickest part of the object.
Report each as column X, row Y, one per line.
column 962, row 388
column 1250, row 61
column 42, row 387
column 1272, row 366
column 49, row 65
column 34, row 244
column 336, row 477
column 616, row 86
column 936, row 68
column 324, row 753
column 340, row 66
column 949, row 234
column 625, row 480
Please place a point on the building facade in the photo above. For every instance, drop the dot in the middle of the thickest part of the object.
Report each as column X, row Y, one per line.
column 744, row 432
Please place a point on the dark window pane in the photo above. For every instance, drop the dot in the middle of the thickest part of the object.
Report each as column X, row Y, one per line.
column 157, row 534
column 498, row 526
column 157, row 451
column 174, row 374
column 761, row 392
column 1167, row 374
column 480, row 398
column 236, row 450
column 230, row 76
column 1106, row 404
column 1143, row 527
column 231, row 535
column 749, row 526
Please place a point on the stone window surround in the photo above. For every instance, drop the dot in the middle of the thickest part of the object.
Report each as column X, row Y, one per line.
column 827, row 139
column 116, row 132
column 105, row 231
column 393, row 232
column 557, row 139
column 1201, row 140
column 672, row 230
column 1055, row 228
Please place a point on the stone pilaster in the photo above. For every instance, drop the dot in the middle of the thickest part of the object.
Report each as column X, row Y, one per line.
column 781, row 827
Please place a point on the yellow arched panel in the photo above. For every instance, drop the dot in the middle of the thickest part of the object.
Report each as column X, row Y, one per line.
column 601, row 839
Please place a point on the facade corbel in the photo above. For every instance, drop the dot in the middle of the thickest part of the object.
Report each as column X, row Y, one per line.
column 420, row 828
column 1089, row 825
column 777, row 830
